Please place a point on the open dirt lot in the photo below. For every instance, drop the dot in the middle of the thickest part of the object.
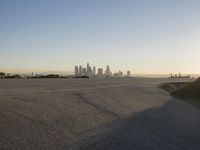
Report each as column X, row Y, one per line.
column 90, row 114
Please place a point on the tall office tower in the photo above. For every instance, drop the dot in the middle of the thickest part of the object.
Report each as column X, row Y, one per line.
column 88, row 66
column 76, row 71
column 128, row 73
column 80, row 71
column 90, row 73
column 94, row 71
column 84, row 71
column 100, row 72
column 107, row 71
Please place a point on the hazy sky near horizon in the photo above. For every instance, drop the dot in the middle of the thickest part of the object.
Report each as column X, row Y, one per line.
column 144, row 36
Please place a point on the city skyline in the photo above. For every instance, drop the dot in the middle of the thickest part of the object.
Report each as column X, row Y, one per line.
column 144, row 37
column 93, row 71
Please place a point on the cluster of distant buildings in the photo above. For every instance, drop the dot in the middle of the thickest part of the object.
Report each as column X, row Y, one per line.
column 89, row 71
column 179, row 75
column 84, row 72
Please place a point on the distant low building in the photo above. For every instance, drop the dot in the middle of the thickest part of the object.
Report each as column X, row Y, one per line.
column 100, row 72
column 118, row 74
column 128, row 73
column 179, row 75
column 84, row 71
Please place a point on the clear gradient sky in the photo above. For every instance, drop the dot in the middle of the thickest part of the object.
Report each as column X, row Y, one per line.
column 144, row 36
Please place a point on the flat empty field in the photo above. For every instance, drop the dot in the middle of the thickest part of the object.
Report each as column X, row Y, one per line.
column 95, row 114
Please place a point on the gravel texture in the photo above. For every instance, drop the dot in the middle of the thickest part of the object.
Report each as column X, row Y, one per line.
column 95, row 114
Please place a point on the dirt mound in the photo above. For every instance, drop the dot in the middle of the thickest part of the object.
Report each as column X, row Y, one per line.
column 190, row 90
column 173, row 86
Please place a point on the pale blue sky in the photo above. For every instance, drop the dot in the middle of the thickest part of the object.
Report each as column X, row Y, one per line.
column 144, row 36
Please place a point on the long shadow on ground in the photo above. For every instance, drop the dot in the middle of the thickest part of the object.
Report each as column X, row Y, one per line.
column 173, row 126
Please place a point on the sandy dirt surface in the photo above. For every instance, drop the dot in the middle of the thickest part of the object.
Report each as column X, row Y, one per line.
column 95, row 114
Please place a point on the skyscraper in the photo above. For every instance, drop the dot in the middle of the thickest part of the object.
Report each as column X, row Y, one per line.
column 107, row 71
column 90, row 73
column 94, row 71
column 88, row 69
column 80, row 71
column 76, row 71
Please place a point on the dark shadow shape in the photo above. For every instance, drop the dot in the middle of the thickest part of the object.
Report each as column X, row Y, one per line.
column 173, row 126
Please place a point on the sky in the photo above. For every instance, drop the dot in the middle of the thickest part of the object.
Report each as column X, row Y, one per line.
column 144, row 36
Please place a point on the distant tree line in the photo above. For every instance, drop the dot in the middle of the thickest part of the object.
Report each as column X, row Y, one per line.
column 13, row 76
column 4, row 75
column 47, row 76
column 82, row 76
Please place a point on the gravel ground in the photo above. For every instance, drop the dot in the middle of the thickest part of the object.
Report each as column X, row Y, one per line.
column 95, row 114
